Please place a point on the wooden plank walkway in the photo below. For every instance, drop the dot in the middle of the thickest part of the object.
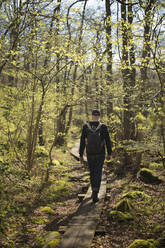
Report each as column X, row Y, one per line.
column 75, row 152
column 81, row 228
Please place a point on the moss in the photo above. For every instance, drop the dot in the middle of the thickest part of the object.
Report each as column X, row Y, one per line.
column 140, row 243
column 39, row 240
column 41, row 152
column 133, row 187
column 31, row 230
column 148, row 210
column 157, row 228
column 58, row 189
column 134, row 194
column 147, row 176
column 47, row 210
column 53, row 243
column 52, row 240
column 156, row 166
column 119, row 216
column 61, row 203
column 40, row 221
column 124, row 206
column 56, row 162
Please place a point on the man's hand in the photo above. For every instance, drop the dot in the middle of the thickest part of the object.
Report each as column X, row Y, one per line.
column 81, row 159
column 108, row 157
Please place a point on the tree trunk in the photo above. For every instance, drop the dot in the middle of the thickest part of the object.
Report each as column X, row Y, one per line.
column 109, row 79
column 128, row 81
column 33, row 133
column 161, row 75
column 57, row 42
column 146, row 52
column 40, row 134
column 63, row 127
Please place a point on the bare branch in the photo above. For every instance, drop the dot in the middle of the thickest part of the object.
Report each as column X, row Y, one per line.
column 124, row 3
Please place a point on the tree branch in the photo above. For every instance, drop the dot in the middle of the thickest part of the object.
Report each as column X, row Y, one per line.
column 123, row 2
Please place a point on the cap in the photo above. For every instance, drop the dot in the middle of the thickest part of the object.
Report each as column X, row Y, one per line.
column 96, row 112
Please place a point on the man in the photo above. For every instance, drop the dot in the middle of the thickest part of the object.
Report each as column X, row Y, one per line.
column 94, row 137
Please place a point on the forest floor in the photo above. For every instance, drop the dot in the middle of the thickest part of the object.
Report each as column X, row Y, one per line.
column 147, row 208
column 52, row 209
column 147, row 211
column 59, row 211
column 34, row 211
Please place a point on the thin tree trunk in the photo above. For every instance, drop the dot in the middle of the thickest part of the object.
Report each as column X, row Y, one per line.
column 66, row 128
column 128, row 81
column 86, row 101
column 30, row 130
column 161, row 75
column 40, row 134
column 63, row 111
column 125, row 72
column 109, row 56
column 34, row 134
column 137, row 133
column 47, row 59
column 146, row 52
column 57, row 42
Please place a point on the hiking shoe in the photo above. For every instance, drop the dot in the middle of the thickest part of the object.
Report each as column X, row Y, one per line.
column 95, row 197
column 95, row 200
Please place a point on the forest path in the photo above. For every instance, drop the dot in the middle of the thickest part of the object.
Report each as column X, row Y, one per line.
column 81, row 228
column 75, row 151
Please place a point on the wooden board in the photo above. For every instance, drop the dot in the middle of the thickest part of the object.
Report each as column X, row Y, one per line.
column 81, row 229
column 75, row 151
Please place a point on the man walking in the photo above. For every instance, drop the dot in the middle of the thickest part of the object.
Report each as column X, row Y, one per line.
column 94, row 137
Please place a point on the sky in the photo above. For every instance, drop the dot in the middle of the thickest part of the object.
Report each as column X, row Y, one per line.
column 91, row 3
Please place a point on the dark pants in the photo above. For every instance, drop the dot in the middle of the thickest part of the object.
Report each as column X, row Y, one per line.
column 95, row 164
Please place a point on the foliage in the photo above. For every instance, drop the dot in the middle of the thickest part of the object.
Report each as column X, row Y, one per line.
column 47, row 209
column 156, row 166
column 57, row 63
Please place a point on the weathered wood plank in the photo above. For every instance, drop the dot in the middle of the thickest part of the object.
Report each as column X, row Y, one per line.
column 99, row 229
column 81, row 229
column 75, row 151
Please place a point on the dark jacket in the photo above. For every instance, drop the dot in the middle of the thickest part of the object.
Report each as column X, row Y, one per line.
column 103, row 132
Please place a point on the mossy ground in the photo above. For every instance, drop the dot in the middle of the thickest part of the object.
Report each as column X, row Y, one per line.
column 124, row 205
column 139, row 243
column 148, row 176
column 119, row 216
column 147, row 209
column 35, row 213
column 38, row 212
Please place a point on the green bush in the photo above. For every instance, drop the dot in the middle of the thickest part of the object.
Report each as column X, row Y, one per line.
column 41, row 152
